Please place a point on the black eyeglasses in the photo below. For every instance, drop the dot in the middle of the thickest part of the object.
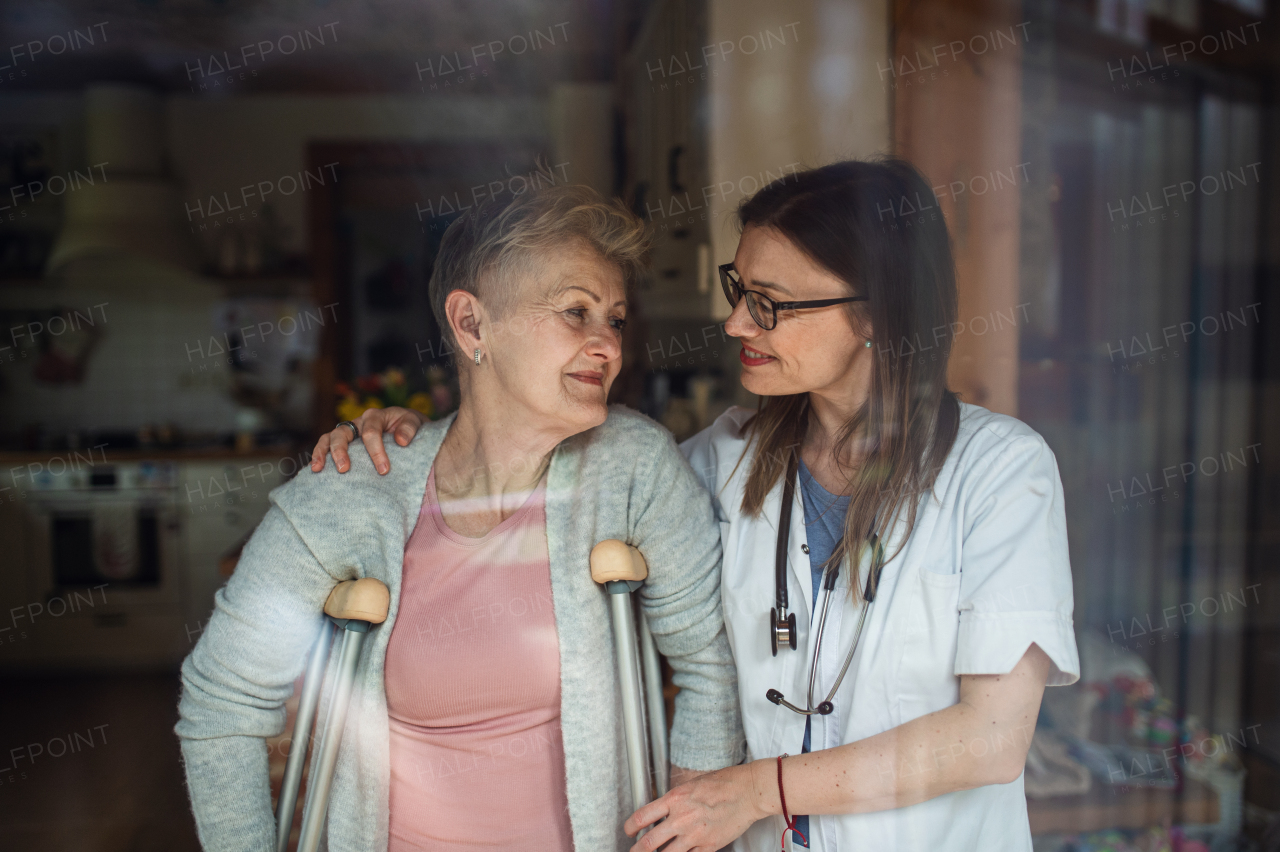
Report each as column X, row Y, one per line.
column 763, row 309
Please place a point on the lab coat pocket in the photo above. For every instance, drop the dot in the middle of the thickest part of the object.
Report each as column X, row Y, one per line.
column 927, row 676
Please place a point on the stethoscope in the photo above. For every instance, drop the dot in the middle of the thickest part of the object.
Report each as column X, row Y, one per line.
column 782, row 625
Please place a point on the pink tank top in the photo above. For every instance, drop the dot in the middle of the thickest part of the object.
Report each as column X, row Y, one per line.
column 473, row 689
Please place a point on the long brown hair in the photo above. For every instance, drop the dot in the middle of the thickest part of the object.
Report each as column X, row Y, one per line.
column 876, row 226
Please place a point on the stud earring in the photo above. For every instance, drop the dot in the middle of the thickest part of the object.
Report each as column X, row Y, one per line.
column 477, row 356
column 868, row 346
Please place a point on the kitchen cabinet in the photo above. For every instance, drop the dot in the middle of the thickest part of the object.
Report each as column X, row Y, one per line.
column 680, row 366
column 664, row 92
column 223, row 501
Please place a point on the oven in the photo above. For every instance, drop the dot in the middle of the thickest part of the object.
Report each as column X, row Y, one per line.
column 99, row 552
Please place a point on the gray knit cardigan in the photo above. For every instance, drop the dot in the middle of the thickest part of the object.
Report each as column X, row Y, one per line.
column 624, row 479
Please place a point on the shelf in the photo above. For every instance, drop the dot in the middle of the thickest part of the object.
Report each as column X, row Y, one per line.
column 263, row 286
column 149, row 454
column 1107, row 807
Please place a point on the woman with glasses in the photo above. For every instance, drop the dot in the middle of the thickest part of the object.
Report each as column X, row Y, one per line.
column 896, row 583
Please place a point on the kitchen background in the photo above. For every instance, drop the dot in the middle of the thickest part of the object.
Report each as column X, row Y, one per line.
column 217, row 219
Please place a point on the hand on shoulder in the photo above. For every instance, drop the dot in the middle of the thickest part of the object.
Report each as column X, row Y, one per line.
column 370, row 427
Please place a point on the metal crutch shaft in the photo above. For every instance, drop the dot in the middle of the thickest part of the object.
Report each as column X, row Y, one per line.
column 312, row 680
column 356, row 606
column 621, row 570
column 624, row 630
column 326, row 752
column 657, row 707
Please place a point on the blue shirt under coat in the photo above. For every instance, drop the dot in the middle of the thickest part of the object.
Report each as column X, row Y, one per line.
column 824, row 514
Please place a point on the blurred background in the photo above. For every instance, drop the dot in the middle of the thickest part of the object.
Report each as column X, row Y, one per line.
column 218, row 218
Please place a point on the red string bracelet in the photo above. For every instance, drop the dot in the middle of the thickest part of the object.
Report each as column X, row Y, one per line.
column 791, row 822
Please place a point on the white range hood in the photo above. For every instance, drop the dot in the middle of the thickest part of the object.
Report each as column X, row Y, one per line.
column 131, row 211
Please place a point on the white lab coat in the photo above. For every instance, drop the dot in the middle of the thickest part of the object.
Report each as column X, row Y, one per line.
column 984, row 574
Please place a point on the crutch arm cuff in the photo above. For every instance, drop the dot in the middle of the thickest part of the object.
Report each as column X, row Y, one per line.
column 615, row 560
column 365, row 599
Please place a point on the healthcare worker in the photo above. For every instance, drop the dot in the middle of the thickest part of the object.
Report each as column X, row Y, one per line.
column 896, row 584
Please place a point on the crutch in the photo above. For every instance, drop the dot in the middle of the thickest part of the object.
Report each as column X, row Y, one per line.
column 353, row 607
column 621, row 569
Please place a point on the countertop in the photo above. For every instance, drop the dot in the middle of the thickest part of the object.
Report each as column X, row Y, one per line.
column 106, row 455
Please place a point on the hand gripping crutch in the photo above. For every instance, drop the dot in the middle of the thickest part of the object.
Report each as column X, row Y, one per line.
column 353, row 607
column 621, row 570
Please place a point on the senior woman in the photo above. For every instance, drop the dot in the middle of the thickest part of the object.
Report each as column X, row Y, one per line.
column 893, row 644
column 486, row 714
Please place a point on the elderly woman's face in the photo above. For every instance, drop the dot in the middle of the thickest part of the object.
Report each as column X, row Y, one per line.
column 559, row 347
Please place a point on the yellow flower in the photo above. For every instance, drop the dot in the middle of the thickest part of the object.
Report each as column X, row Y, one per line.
column 393, row 376
column 372, row 402
column 421, row 403
column 350, row 408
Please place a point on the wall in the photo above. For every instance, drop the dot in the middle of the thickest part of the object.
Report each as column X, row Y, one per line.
column 806, row 94
column 142, row 370
column 959, row 122
column 219, row 146
column 827, row 90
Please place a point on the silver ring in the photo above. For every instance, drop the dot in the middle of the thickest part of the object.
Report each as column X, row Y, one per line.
column 355, row 433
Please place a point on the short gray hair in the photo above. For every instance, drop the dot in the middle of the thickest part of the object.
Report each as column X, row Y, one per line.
column 490, row 245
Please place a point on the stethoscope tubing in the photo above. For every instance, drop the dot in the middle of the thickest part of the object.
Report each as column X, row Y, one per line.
column 825, row 707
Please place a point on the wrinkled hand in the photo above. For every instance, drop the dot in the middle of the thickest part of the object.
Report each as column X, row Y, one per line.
column 706, row 814
column 404, row 422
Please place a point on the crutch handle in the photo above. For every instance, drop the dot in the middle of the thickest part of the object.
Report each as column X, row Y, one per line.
column 613, row 560
column 365, row 599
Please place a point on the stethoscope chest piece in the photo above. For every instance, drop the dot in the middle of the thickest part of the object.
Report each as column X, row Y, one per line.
column 782, row 625
column 782, row 631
